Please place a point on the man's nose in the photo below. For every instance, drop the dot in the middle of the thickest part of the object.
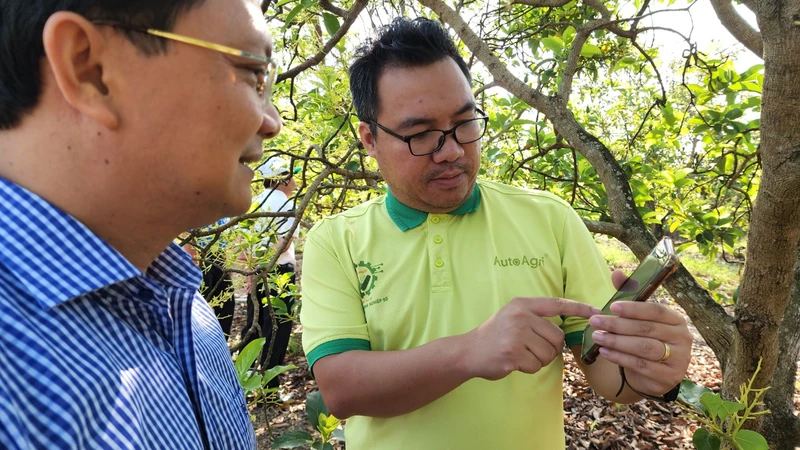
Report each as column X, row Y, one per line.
column 271, row 122
column 451, row 150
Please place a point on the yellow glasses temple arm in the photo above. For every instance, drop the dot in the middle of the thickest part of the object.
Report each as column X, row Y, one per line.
column 208, row 45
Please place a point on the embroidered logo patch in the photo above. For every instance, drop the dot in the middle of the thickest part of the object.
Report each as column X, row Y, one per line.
column 367, row 279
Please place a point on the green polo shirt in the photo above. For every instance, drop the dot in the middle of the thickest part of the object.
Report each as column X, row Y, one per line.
column 383, row 276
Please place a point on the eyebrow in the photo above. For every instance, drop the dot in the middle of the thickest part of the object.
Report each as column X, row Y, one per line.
column 259, row 43
column 414, row 121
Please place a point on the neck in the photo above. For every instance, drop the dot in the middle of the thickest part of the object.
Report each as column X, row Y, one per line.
column 65, row 175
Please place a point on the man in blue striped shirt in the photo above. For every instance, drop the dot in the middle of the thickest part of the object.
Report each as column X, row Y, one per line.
column 122, row 124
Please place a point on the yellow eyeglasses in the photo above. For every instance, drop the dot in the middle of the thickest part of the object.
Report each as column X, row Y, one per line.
column 265, row 80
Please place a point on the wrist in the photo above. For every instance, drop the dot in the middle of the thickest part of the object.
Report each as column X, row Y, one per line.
column 462, row 347
column 669, row 396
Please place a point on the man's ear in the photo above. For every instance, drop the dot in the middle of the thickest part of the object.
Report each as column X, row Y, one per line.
column 367, row 138
column 75, row 51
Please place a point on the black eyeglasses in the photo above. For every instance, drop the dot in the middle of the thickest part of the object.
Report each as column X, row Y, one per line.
column 265, row 79
column 431, row 141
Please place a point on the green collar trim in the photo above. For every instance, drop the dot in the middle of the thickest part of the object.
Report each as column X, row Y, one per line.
column 406, row 217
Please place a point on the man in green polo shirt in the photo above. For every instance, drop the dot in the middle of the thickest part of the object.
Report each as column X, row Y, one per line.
column 435, row 316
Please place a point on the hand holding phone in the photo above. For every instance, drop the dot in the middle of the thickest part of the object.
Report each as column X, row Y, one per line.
column 653, row 270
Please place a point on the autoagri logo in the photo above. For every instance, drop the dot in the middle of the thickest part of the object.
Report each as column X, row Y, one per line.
column 367, row 279
column 523, row 261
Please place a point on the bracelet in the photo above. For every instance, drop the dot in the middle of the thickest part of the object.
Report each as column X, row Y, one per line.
column 668, row 397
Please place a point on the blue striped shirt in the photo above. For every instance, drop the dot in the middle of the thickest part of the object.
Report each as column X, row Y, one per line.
column 96, row 354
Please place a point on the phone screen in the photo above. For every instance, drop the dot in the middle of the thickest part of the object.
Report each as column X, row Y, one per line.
column 659, row 264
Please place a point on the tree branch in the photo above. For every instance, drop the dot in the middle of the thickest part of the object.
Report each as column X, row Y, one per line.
column 502, row 76
column 607, row 228
column 738, row 27
column 485, row 87
column 542, row 3
column 351, row 16
column 331, row 8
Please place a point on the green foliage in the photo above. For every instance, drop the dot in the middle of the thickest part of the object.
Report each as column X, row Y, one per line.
column 251, row 380
column 286, row 292
column 722, row 419
column 246, row 358
column 321, row 420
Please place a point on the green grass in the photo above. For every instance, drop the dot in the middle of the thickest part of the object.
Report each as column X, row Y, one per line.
column 615, row 252
column 719, row 277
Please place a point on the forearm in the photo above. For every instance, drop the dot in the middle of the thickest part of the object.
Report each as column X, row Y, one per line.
column 387, row 384
column 604, row 378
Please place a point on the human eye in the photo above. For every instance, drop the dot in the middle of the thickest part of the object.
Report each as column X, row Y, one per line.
column 425, row 142
column 260, row 77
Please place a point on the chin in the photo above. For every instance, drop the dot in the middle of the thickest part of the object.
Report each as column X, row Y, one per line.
column 238, row 207
column 235, row 203
column 451, row 199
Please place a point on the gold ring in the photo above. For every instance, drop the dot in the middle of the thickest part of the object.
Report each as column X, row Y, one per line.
column 666, row 353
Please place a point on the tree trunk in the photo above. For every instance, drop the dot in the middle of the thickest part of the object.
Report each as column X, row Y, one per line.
column 783, row 429
column 775, row 221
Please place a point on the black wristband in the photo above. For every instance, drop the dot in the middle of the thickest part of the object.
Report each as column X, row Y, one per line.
column 666, row 398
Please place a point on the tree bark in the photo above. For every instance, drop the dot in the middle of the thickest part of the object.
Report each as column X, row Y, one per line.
column 738, row 27
column 783, row 431
column 775, row 225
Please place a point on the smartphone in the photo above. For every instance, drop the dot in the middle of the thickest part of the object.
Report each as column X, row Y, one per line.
column 654, row 269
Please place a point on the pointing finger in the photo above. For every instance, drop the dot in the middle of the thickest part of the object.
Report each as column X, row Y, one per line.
column 554, row 306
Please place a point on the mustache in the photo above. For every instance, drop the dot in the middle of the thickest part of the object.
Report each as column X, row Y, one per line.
column 459, row 165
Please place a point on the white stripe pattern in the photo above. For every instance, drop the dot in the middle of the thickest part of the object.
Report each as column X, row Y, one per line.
column 95, row 354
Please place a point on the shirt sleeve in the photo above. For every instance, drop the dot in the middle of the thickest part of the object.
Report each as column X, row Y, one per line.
column 12, row 434
column 275, row 201
column 281, row 203
column 587, row 277
column 332, row 315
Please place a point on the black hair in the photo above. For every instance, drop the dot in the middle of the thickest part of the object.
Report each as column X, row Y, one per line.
column 21, row 47
column 403, row 43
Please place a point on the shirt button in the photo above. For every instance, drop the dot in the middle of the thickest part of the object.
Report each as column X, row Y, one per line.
column 439, row 263
column 437, row 240
column 435, row 219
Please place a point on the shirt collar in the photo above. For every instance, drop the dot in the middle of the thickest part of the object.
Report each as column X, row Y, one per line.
column 56, row 258
column 406, row 217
